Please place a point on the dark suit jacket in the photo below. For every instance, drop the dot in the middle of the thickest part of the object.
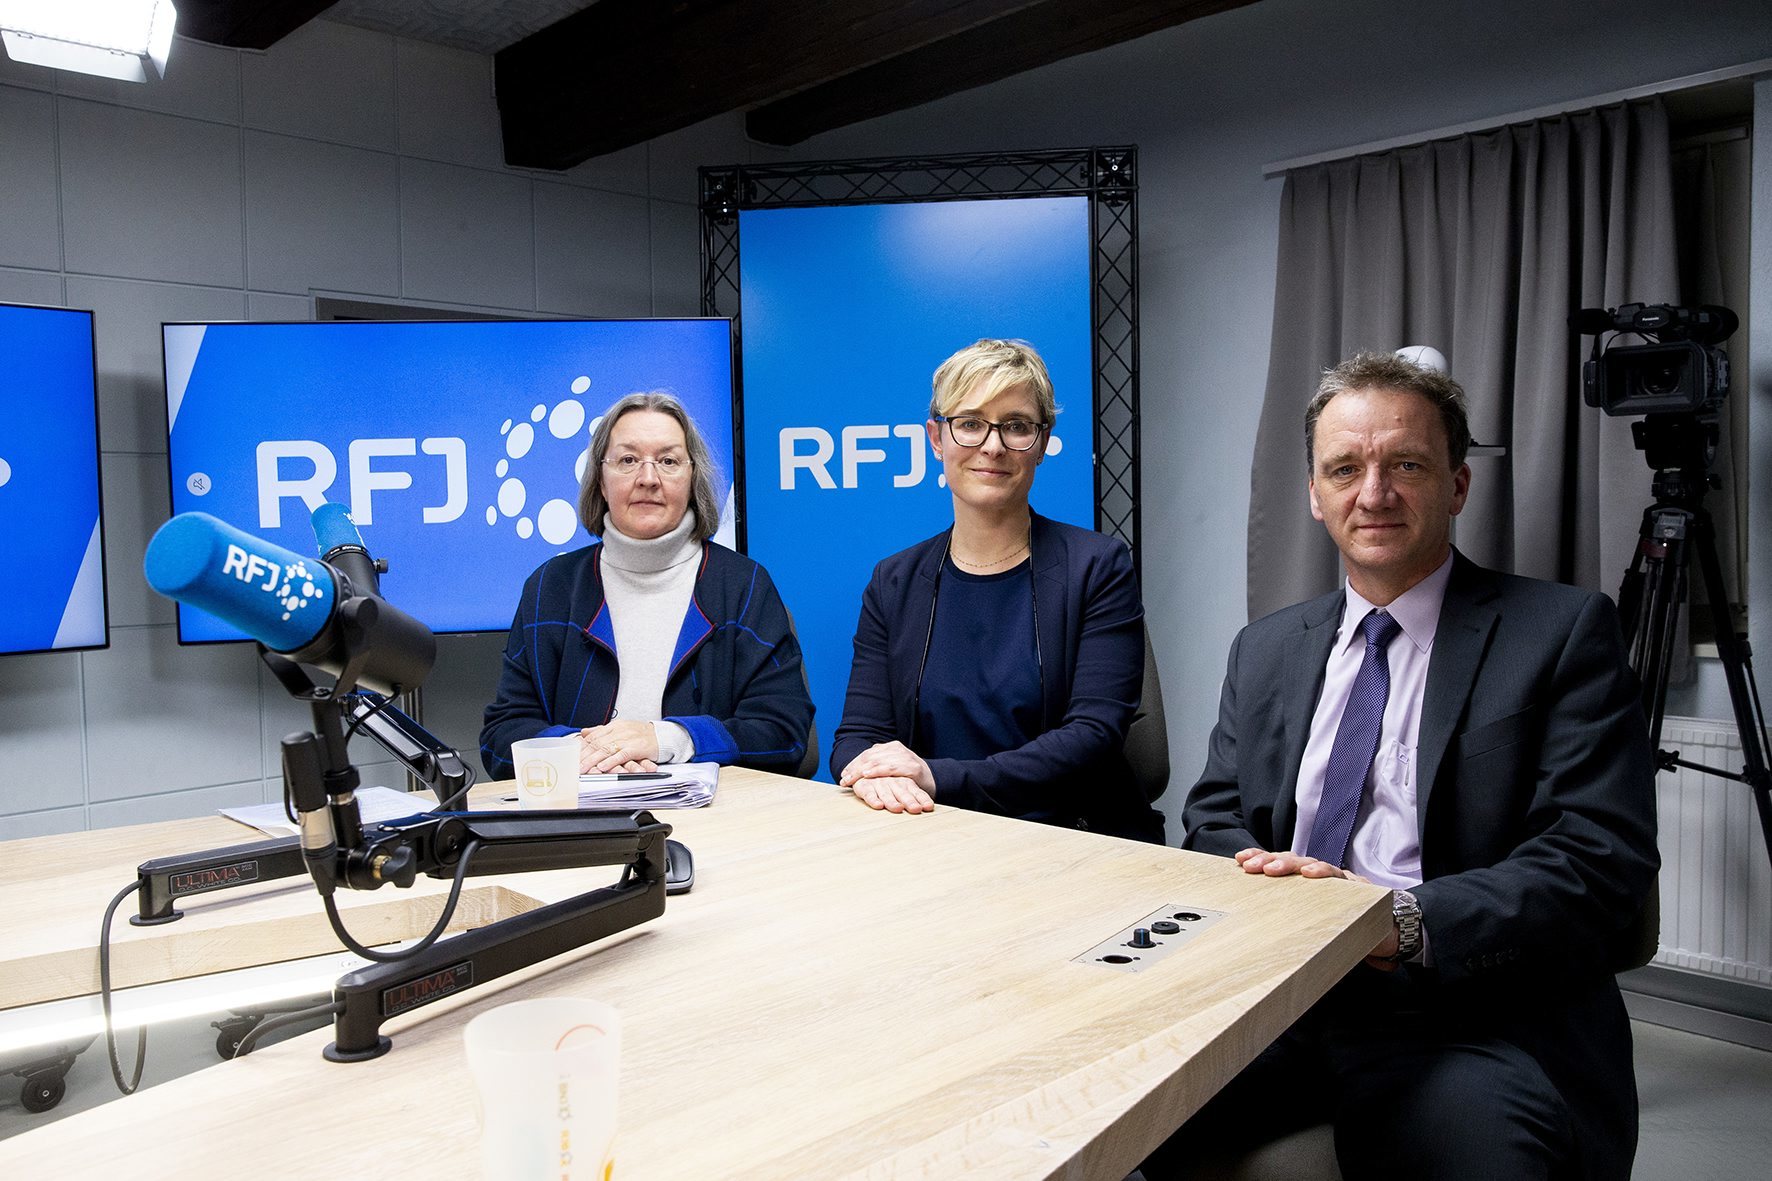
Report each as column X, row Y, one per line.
column 1091, row 644
column 1535, row 801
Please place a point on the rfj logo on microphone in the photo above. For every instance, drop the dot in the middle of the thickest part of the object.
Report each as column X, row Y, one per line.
column 293, row 585
column 5, row 472
column 279, row 467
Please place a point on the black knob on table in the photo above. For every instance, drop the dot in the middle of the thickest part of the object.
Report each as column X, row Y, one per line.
column 1141, row 937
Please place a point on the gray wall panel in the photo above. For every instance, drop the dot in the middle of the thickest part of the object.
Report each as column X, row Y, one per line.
column 446, row 105
column 676, row 259
column 262, row 306
column 626, row 171
column 41, row 287
column 177, row 805
column 30, row 230
column 320, row 215
column 137, row 502
column 160, row 718
column 324, row 81
column 42, row 824
column 600, row 265
column 40, row 732
column 149, row 196
column 466, row 235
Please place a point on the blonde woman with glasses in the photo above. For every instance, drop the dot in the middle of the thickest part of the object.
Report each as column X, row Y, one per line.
column 999, row 663
column 654, row 645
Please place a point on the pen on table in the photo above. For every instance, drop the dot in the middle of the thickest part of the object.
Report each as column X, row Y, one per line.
column 616, row 777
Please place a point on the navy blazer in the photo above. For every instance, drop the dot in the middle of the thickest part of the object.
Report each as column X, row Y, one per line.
column 1090, row 628
column 736, row 681
column 1535, row 803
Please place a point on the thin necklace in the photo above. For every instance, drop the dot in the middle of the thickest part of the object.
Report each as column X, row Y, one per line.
column 1001, row 561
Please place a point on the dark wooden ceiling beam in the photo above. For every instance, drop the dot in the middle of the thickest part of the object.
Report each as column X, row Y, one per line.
column 624, row 71
column 1019, row 41
column 245, row 24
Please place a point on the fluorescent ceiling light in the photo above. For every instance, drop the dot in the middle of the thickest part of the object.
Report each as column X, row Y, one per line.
column 123, row 39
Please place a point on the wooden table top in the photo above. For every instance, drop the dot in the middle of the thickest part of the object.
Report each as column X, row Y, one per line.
column 845, row 993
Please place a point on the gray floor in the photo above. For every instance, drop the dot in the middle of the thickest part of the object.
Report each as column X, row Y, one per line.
column 1706, row 1107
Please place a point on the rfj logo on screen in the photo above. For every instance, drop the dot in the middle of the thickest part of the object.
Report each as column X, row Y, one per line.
column 305, row 470
column 810, row 449
column 5, row 472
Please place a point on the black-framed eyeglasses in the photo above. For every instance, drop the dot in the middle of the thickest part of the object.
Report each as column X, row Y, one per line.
column 1017, row 434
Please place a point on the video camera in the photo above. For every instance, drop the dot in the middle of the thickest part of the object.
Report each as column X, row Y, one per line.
column 1681, row 370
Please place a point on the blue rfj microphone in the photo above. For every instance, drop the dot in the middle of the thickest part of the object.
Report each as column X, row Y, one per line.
column 302, row 607
column 342, row 548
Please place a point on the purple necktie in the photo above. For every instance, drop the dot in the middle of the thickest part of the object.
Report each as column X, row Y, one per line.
column 1356, row 741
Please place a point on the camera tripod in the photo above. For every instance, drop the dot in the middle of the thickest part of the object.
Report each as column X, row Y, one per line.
column 1679, row 447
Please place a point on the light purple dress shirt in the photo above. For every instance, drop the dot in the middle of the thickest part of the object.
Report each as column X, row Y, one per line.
column 1386, row 844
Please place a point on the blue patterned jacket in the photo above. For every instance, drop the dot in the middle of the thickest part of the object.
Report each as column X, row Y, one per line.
column 736, row 681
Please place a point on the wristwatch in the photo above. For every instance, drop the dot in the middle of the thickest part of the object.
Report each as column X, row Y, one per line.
column 1406, row 913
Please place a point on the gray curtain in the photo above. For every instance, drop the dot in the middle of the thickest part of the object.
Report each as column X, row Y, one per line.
column 1711, row 204
column 1480, row 246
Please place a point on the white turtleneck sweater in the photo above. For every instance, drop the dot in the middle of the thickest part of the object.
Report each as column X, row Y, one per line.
column 648, row 585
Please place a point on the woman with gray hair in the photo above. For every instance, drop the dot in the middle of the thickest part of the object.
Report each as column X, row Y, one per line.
column 654, row 645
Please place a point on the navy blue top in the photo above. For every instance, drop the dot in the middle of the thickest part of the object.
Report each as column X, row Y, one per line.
column 1073, row 769
column 981, row 687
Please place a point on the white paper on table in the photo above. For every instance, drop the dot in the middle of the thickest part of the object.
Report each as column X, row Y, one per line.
column 376, row 804
column 691, row 785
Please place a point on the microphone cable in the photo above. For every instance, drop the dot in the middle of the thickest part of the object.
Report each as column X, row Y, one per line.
column 104, row 1000
column 357, row 722
column 393, row 957
column 270, row 1025
column 460, row 793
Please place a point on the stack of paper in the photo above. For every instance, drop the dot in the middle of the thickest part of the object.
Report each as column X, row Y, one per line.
column 687, row 785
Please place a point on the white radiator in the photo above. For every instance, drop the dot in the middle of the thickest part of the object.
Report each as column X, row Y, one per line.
column 1716, row 882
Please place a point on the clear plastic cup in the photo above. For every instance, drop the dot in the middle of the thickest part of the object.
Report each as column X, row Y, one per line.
column 547, row 771
column 546, row 1072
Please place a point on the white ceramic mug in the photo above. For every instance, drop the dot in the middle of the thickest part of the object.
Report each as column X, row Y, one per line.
column 546, row 1072
column 547, row 771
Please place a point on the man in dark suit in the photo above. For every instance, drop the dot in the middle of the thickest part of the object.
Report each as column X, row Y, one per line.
column 1474, row 741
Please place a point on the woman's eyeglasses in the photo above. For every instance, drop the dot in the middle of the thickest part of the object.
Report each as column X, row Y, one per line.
column 668, row 467
column 1018, row 434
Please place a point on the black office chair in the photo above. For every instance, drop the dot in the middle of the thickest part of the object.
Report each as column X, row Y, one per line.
column 1147, row 738
column 809, row 761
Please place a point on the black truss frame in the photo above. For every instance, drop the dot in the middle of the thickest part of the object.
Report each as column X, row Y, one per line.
column 1107, row 176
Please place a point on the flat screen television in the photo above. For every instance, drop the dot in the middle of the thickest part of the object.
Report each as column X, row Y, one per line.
column 51, row 531
column 458, row 446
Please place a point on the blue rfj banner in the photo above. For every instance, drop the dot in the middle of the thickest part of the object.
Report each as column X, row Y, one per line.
column 457, row 447
column 847, row 310
column 53, row 595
